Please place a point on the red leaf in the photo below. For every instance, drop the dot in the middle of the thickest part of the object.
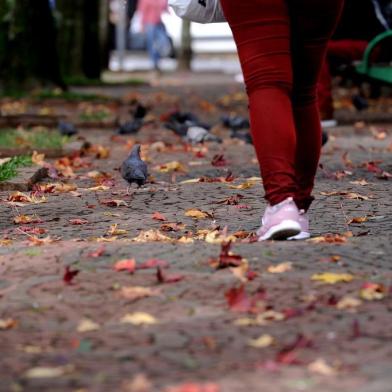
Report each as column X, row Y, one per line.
column 288, row 355
column 98, row 253
column 69, row 275
column 163, row 278
column 373, row 167
column 125, row 265
column 218, row 160
column 158, row 216
column 153, row 263
column 78, row 221
column 238, row 300
column 226, row 259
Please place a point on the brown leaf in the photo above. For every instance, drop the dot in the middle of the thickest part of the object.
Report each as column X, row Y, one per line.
column 164, row 278
column 128, row 265
column 158, row 216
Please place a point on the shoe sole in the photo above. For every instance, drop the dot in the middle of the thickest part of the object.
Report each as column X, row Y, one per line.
column 282, row 231
column 303, row 235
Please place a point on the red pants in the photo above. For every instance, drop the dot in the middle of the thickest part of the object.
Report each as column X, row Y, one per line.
column 281, row 45
column 346, row 51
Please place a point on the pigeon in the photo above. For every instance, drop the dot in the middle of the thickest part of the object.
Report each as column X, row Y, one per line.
column 199, row 135
column 360, row 103
column 140, row 111
column 133, row 169
column 131, row 127
column 325, row 138
column 178, row 128
column 235, row 122
column 67, row 129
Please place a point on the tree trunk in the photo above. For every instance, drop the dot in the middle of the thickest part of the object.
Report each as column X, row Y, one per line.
column 185, row 56
column 28, row 56
column 81, row 37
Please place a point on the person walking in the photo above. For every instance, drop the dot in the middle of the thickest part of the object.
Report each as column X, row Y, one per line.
column 282, row 45
column 151, row 16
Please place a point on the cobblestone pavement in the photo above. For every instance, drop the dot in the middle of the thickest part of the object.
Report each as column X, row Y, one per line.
column 198, row 333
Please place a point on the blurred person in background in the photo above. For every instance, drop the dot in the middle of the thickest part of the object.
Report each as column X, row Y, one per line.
column 158, row 42
column 362, row 20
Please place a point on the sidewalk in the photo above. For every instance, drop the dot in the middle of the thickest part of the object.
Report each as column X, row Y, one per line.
column 277, row 327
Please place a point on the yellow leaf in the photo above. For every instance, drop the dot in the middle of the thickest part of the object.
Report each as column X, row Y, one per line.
column 262, row 342
column 280, row 268
column 170, row 167
column 48, row 372
column 186, row 240
column 372, row 292
column 332, row 278
column 113, row 230
column 197, row 214
column 38, row 159
column 7, row 324
column 23, row 219
column 152, row 235
column 192, row 181
column 99, row 188
column 241, row 271
column 215, row 237
column 358, row 219
column 245, row 185
column 136, row 292
column 139, row 318
column 87, row 325
column 348, row 303
column 320, row 366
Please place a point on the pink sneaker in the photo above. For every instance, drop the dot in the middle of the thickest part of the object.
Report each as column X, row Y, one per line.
column 280, row 221
column 304, row 222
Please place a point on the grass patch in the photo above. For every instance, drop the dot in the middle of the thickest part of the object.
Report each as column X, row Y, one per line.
column 68, row 96
column 34, row 139
column 9, row 169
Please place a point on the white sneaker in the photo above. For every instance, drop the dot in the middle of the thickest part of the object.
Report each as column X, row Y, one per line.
column 280, row 221
column 304, row 222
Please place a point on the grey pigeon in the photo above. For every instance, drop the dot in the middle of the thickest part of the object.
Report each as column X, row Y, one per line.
column 133, row 169
column 130, row 127
column 67, row 129
column 199, row 135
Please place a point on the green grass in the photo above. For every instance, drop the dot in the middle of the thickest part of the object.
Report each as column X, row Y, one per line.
column 68, row 96
column 9, row 169
column 35, row 139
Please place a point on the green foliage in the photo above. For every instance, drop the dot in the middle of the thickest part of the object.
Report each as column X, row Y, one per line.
column 35, row 139
column 9, row 168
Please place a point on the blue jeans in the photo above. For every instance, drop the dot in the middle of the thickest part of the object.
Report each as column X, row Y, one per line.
column 157, row 41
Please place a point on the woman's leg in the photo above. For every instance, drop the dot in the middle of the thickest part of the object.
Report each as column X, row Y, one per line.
column 312, row 24
column 151, row 35
column 261, row 29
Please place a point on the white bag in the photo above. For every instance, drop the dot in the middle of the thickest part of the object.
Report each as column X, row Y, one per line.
column 200, row 11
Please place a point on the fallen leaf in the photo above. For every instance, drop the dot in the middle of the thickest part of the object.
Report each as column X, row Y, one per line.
column 193, row 387
column 197, row 214
column 97, row 253
column 7, row 324
column 158, row 216
column 87, row 325
column 232, row 200
column 133, row 293
column 38, row 159
column 262, row 342
column 226, row 258
column 35, row 241
column 20, row 197
column 98, row 188
column 114, row 203
column 332, row 278
column 139, row 383
column 239, row 301
column 348, row 303
column 320, row 366
column 219, row 160
column 48, row 372
column 162, row 277
column 330, row 239
column 372, row 291
column 25, row 219
column 170, row 167
column 113, row 230
column 358, row 219
column 69, row 275
column 280, row 268
column 185, row 240
column 360, row 182
column 153, row 263
column 128, row 265
column 245, row 185
column 139, row 318
column 152, row 236
column 172, row 227
column 78, row 222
